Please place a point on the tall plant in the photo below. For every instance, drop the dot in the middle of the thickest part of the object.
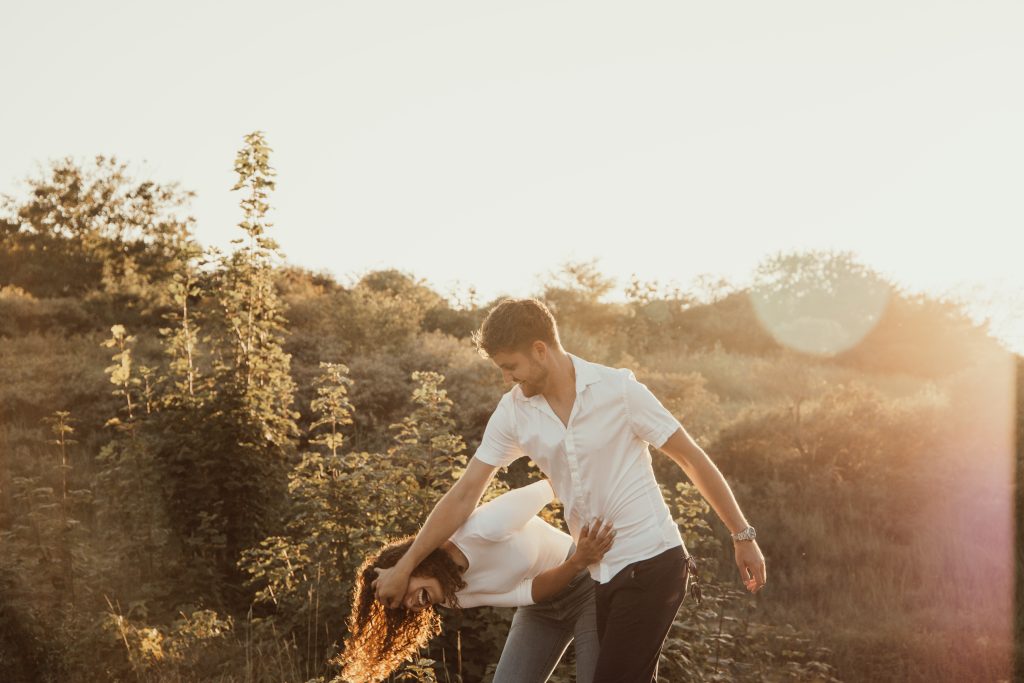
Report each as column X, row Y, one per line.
column 251, row 424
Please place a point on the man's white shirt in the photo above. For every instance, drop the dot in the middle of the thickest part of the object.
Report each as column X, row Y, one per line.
column 599, row 464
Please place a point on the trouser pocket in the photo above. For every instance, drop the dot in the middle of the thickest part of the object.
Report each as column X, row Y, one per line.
column 652, row 565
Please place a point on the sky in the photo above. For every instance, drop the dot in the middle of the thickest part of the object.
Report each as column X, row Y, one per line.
column 483, row 144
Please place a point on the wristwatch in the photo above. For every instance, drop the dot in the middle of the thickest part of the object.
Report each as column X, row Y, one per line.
column 747, row 534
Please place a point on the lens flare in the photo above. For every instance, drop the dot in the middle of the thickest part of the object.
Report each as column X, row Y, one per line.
column 820, row 304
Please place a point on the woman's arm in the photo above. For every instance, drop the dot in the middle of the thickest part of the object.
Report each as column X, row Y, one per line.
column 495, row 520
column 593, row 544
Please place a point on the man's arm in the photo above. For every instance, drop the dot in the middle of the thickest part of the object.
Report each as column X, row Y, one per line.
column 712, row 485
column 448, row 515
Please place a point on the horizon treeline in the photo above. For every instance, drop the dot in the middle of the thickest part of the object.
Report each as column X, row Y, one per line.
column 198, row 449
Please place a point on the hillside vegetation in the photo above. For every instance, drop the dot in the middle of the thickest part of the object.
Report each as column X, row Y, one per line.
column 198, row 448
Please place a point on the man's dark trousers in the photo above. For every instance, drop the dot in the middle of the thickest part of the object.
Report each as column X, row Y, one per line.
column 634, row 612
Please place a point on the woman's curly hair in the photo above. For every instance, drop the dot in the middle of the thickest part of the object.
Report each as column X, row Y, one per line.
column 380, row 638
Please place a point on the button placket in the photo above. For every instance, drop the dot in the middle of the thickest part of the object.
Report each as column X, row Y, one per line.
column 579, row 505
column 581, row 502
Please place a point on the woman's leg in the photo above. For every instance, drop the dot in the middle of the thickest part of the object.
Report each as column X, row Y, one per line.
column 585, row 640
column 535, row 644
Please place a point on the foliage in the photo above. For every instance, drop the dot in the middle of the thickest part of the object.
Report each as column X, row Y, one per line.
column 306, row 576
column 193, row 641
column 222, row 481
column 719, row 641
column 47, row 542
column 818, row 302
column 89, row 229
column 129, row 491
column 251, row 422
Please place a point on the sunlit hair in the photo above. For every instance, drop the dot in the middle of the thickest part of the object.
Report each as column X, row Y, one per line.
column 514, row 324
column 379, row 639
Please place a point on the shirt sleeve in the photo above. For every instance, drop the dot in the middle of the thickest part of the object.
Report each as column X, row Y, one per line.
column 650, row 420
column 495, row 520
column 499, row 446
column 520, row 596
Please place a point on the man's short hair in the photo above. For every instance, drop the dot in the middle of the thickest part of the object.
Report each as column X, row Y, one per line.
column 514, row 324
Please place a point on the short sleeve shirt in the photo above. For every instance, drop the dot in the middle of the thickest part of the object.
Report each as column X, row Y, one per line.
column 600, row 464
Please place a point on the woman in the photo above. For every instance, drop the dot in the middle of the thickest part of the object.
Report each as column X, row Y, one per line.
column 503, row 556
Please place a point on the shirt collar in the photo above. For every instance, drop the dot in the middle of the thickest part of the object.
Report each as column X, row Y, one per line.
column 586, row 373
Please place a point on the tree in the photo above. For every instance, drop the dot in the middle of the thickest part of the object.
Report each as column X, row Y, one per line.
column 344, row 506
column 129, row 492
column 252, row 425
column 181, row 337
column 426, row 447
column 305, row 574
column 580, row 280
column 574, row 293
column 47, row 536
column 818, row 302
column 88, row 229
column 60, row 425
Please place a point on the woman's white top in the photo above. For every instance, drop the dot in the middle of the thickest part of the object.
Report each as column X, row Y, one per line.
column 507, row 545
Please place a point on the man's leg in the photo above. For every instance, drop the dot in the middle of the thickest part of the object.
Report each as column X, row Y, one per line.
column 634, row 612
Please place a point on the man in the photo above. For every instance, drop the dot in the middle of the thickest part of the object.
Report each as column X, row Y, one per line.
column 588, row 427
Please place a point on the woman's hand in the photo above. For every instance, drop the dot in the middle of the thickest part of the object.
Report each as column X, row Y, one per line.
column 594, row 542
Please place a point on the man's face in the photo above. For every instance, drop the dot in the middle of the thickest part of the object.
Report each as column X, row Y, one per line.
column 523, row 368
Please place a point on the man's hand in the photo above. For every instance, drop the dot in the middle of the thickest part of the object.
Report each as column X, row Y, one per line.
column 390, row 586
column 448, row 515
column 751, row 563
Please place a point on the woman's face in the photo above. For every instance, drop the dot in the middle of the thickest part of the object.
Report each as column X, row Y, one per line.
column 423, row 591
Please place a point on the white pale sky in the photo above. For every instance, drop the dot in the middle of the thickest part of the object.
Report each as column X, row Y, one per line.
column 483, row 143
